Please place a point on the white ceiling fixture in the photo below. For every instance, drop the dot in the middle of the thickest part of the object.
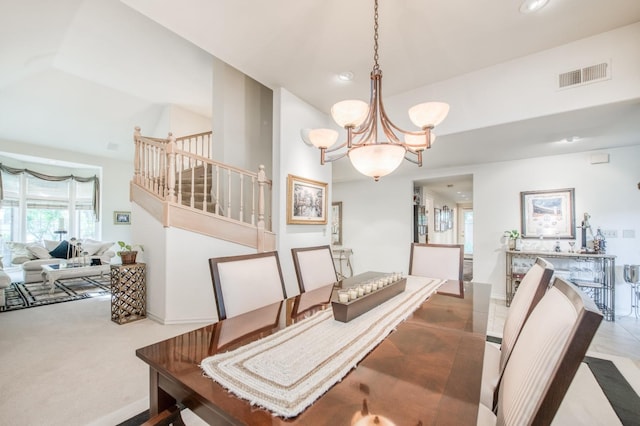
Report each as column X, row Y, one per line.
column 366, row 147
column 529, row 6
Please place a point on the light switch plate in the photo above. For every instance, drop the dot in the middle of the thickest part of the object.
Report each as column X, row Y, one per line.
column 628, row 233
column 610, row 233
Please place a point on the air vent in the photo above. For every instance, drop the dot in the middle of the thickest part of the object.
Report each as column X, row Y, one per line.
column 586, row 75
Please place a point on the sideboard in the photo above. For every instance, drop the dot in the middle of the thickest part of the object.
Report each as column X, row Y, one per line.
column 593, row 273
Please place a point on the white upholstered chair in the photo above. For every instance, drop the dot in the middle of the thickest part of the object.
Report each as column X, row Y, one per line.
column 545, row 358
column 245, row 283
column 531, row 289
column 314, row 267
column 442, row 261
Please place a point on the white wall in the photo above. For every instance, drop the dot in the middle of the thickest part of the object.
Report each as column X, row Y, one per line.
column 292, row 156
column 179, row 284
column 377, row 222
column 486, row 97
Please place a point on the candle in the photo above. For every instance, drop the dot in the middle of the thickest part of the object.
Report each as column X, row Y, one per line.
column 367, row 288
column 61, row 224
column 343, row 296
column 353, row 294
column 360, row 291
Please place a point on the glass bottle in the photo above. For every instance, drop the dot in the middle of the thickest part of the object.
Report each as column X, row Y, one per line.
column 599, row 243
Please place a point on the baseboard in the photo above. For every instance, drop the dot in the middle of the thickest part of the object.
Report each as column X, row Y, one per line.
column 169, row 321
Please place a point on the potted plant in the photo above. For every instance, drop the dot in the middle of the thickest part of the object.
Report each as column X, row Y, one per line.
column 127, row 253
column 515, row 241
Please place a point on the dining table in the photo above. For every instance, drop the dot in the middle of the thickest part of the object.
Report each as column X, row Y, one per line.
column 426, row 371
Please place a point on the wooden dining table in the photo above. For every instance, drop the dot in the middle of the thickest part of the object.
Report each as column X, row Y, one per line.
column 426, row 372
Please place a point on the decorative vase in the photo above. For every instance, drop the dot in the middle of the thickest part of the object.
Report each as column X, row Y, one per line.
column 518, row 244
column 128, row 257
column 512, row 244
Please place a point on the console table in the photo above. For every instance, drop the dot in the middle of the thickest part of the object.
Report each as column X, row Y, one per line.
column 593, row 273
column 128, row 292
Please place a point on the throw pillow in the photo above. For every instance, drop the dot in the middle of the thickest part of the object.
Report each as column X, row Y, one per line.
column 91, row 248
column 61, row 251
column 50, row 244
column 38, row 251
column 104, row 245
column 19, row 250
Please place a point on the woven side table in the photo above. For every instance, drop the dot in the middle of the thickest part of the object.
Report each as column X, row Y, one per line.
column 128, row 292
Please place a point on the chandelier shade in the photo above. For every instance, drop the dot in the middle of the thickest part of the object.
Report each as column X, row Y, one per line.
column 428, row 114
column 375, row 145
column 377, row 159
column 323, row 138
column 349, row 113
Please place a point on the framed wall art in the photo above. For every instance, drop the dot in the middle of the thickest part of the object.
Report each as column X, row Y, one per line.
column 437, row 220
column 336, row 223
column 306, row 201
column 122, row 218
column 548, row 214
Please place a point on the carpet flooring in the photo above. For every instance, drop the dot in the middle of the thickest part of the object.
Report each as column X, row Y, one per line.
column 20, row 295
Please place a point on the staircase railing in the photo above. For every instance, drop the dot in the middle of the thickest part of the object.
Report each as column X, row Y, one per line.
column 179, row 170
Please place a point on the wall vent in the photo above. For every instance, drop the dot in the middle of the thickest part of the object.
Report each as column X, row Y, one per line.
column 585, row 75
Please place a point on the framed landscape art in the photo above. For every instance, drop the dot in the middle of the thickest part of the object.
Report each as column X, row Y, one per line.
column 548, row 214
column 306, row 201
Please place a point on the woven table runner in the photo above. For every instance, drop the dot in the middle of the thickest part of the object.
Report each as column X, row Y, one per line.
column 286, row 371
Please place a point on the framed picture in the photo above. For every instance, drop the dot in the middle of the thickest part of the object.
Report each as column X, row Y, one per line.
column 306, row 201
column 336, row 223
column 437, row 220
column 122, row 218
column 548, row 214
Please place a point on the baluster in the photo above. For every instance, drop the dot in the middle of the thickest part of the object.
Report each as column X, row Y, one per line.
column 217, row 189
column 204, row 190
column 136, row 156
column 262, row 177
column 241, row 215
column 171, row 159
column 179, row 179
column 253, row 200
column 193, row 182
column 228, row 212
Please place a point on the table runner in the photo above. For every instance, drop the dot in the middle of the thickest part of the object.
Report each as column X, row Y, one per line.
column 288, row 370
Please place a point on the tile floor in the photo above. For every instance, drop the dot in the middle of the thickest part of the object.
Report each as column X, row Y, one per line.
column 620, row 337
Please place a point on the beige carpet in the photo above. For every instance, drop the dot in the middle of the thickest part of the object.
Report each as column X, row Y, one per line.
column 69, row 364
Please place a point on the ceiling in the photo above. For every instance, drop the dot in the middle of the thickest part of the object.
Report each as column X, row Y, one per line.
column 80, row 74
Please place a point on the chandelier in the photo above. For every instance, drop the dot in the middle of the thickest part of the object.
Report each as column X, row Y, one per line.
column 369, row 154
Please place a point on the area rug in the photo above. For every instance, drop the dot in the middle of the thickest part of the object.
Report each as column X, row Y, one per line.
column 20, row 295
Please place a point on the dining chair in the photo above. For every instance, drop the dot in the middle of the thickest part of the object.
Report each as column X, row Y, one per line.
column 545, row 358
column 437, row 261
column 532, row 287
column 247, row 282
column 314, row 267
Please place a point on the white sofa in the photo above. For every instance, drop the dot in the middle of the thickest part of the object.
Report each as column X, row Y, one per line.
column 5, row 281
column 33, row 255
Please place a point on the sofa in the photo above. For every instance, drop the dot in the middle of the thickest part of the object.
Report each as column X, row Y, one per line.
column 5, row 281
column 31, row 256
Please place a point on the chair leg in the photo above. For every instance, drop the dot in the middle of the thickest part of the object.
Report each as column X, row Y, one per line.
column 170, row 416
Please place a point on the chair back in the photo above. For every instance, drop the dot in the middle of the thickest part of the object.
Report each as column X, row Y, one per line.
column 314, row 267
column 531, row 289
column 546, row 356
column 437, row 261
column 244, row 283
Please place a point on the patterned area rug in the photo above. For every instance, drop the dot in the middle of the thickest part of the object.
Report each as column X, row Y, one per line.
column 20, row 295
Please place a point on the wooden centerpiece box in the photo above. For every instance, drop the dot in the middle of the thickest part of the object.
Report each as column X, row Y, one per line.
column 345, row 311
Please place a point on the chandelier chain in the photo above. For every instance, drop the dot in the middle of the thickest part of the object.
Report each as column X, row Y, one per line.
column 375, row 36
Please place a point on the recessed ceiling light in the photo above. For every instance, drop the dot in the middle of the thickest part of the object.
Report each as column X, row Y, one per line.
column 571, row 139
column 529, row 6
column 345, row 76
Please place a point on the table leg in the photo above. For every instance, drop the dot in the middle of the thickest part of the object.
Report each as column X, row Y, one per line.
column 159, row 400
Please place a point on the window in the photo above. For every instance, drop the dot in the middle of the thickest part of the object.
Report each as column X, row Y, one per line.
column 36, row 209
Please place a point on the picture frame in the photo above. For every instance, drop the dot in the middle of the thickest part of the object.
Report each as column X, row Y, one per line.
column 548, row 214
column 121, row 218
column 306, row 201
column 336, row 223
column 437, row 220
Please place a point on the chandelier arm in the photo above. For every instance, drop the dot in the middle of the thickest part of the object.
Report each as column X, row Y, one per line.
column 417, row 161
column 328, row 159
column 336, row 148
